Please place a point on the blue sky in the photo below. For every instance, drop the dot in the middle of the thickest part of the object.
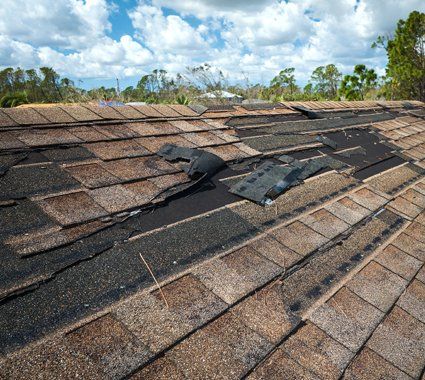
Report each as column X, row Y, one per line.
column 95, row 41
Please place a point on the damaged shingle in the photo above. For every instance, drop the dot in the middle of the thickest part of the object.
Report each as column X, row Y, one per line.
column 199, row 161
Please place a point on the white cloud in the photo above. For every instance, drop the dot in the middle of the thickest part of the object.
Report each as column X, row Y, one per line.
column 257, row 38
column 166, row 33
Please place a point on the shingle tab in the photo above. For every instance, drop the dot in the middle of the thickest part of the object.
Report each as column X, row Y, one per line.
column 108, row 344
column 400, row 339
column 80, row 113
column 55, row 114
column 25, row 116
column 212, row 350
column 117, row 149
column 377, row 285
column 6, row 121
column 347, row 318
column 72, row 208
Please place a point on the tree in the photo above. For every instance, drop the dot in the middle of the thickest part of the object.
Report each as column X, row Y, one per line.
column 285, row 80
column 356, row 86
column 326, row 80
column 13, row 100
column 405, row 70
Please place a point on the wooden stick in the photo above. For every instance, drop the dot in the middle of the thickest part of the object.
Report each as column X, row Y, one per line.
column 153, row 276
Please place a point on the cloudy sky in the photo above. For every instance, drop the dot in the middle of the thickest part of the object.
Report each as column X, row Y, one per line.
column 97, row 40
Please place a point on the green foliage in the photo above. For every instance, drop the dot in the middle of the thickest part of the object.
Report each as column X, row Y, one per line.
column 13, row 100
column 326, row 80
column 182, row 99
column 405, row 72
column 357, row 85
column 284, row 82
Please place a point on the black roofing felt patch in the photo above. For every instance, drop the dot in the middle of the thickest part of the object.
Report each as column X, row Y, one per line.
column 271, row 179
column 352, row 152
column 200, row 162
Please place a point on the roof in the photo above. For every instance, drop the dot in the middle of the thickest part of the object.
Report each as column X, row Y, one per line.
column 116, row 263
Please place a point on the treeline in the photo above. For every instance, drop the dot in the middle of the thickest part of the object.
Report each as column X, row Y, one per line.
column 404, row 79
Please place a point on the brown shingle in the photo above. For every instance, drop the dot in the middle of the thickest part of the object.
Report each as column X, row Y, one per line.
column 116, row 131
column 404, row 207
column 160, row 369
column 183, row 110
column 169, row 180
column 348, row 210
column 191, row 300
column 165, row 110
column 110, row 345
column 369, row 365
column 202, row 139
column 88, row 134
column 55, row 114
column 410, row 245
column 377, row 285
column 148, row 111
column 114, row 198
column 325, row 223
column 275, row 251
column 413, row 300
column 417, row 231
column 368, row 199
column 414, row 197
column 117, row 149
column 265, row 313
column 6, row 121
column 400, row 339
column 92, row 175
column 154, row 128
column 9, row 141
column 185, row 126
column 399, row 262
column 227, row 152
column 40, row 137
column 236, row 274
column 300, row 238
column 152, row 322
column 154, row 144
column 129, row 112
column 225, row 348
column 104, row 112
column 145, row 191
column 347, row 318
column 25, row 116
column 80, row 113
column 317, row 352
column 72, row 208
column 50, row 360
column 139, row 167
column 280, row 366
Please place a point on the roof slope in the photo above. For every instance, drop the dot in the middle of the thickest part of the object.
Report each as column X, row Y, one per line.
column 323, row 283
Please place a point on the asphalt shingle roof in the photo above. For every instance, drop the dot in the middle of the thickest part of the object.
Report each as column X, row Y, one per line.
column 326, row 282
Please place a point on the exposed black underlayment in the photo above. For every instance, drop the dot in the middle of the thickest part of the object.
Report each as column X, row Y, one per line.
column 15, row 270
column 289, row 127
column 377, row 157
column 242, row 121
column 118, row 272
column 262, row 106
column 379, row 167
column 38, row 179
